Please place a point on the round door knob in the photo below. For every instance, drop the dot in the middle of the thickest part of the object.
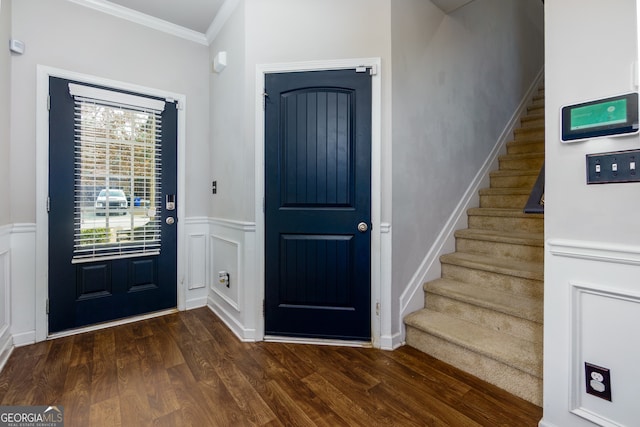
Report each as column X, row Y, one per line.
column 362, row 227
column 170, row 220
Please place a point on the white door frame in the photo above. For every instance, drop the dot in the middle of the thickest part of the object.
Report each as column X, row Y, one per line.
column 380, row 289
column 42, row 182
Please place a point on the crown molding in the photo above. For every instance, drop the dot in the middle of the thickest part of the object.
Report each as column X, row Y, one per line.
column 225, row 12
column 144, row 19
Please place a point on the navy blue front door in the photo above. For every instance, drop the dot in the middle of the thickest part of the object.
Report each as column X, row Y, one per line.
column 85, row 290
column 318, row 204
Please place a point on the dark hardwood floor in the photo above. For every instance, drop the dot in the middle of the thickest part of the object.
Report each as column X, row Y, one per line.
column 188, row 369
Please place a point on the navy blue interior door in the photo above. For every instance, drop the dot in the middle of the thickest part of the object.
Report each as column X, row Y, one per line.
column 121, row 213
column 318, row 204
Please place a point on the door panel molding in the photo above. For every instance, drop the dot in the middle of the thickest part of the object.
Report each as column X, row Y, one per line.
column 381, row 313
column 42, row 180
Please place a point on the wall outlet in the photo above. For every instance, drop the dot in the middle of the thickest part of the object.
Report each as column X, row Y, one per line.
column 598, row 381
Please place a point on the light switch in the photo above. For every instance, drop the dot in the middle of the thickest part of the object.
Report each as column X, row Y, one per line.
column 619, row 166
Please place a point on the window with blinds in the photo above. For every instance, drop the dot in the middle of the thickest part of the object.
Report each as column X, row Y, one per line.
column 117, row 193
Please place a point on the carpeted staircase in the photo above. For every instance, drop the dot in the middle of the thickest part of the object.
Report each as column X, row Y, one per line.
column 484, row 315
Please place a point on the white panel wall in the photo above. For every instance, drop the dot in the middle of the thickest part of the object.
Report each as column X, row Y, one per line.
column 23, row 279
column 5, row 109
column 197, row 270
column 592, row 258
column 232, row 246
column 457, row 80
column 6, row 341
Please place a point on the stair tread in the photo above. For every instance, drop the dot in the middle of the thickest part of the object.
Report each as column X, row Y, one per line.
column 502, row 212
column 522, row 306
column 526, row 129
column 516, row 352
column 522, row 156
column 516, row 268
column 529, row 239
column 527, row 139
column 514, row 172
column 504, row 191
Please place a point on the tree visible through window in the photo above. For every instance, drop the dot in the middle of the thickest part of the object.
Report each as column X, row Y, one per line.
column 117, row 180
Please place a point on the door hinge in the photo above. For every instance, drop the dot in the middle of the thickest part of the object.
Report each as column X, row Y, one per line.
column 263, row 307
column 48, row 204
column 265, row 95
column 47, row 305
column 377, row 309
column 48, row 102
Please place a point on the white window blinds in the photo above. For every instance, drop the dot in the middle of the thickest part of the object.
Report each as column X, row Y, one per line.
column 117, row 192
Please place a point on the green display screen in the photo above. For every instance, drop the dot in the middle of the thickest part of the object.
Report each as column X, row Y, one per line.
column 600, row 114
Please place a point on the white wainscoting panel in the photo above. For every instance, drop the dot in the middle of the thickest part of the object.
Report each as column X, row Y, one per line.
column 601, row 317
column 6, row 341
column 231, row 244
column 196, row 230
column 23, row 284
column 592, row 312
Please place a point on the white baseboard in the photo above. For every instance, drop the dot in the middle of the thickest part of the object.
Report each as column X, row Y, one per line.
column 196, row 303
column 243, row 334
column 412, row 299
column 544, row 423
column 391, row 342
column 24, row 338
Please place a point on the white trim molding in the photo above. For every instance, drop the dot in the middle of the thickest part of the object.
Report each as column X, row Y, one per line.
column 224, row 13
column 143, row 19
column 380, row 267
column 595, row 251
column 42, row 184
column 412, row 298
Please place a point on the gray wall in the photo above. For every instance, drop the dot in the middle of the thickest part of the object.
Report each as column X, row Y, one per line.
column 64, row 35
column 5, row 109
column 457, row 80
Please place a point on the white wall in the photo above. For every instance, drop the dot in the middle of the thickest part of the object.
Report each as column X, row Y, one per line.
column 64, row 35
column 6, row 341
column 457, row 80
column 258, row 34
column 592, row 258
column 5, row 108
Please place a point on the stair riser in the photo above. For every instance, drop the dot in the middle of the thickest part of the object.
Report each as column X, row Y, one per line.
column 516, row 201
column 535, row 109
column 515, row 381
column 526, row 147
column 532, row 120
column 495, row 281
column 491, row 319
column 537, row 104
column 507, row 163
column 517, row 252
column 517, row 181
column 529, row 133
column 522, row 224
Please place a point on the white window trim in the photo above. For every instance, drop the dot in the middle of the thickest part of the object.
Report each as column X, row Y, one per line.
column 42, row 181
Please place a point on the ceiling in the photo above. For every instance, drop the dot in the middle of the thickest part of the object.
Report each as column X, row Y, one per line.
column 196, row 15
